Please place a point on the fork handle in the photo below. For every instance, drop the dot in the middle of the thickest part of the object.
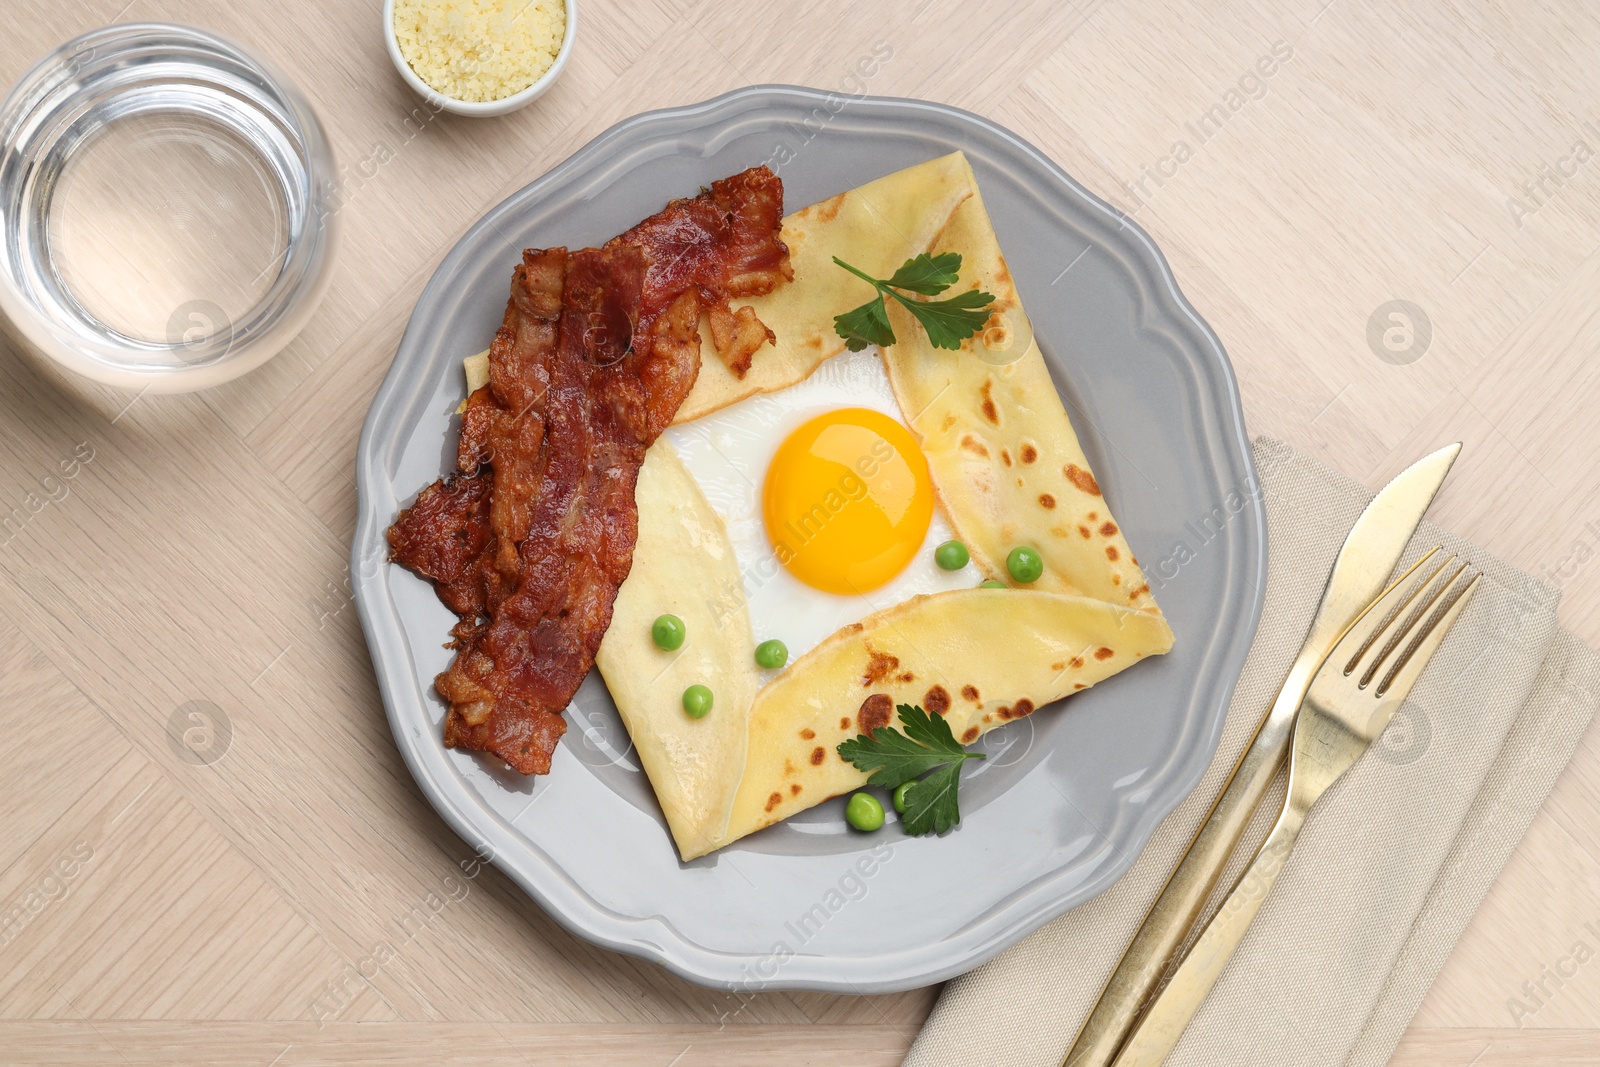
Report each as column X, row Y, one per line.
column 1158, row 1030
column 1153, row 951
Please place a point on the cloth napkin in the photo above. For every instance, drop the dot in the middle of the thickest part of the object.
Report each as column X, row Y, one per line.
column 1393, row 861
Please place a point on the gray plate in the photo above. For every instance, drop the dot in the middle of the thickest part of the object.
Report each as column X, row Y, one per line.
column 1067, row 798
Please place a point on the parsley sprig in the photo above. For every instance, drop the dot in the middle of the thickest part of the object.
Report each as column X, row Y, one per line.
column 948, row 322
column 927, row 752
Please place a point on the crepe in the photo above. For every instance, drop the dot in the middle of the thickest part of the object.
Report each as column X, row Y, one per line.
column 981, row 657
column 1009, row 470
column 695, row 765
column 1004, row 457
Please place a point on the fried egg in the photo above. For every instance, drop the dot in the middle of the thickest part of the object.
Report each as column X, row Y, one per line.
column 827, row 501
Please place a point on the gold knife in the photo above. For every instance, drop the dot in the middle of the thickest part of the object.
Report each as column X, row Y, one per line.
column 1371, row 551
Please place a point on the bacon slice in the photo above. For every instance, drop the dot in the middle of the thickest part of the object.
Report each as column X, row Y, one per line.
column 564, row 547
column 530, row 541
column 442, row 537
column 718, row 245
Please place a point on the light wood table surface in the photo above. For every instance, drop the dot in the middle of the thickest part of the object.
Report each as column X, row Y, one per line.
column 215, row 912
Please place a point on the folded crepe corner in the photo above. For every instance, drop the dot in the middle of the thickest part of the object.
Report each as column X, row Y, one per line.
column 694, row 765
column 876, row 227
column 1003, row 454
column 980, row 657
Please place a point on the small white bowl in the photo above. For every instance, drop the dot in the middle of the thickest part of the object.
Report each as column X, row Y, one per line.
column 483, row 108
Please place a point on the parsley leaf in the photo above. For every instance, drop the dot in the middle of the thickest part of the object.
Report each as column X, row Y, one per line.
column 927, row 275
column 931, row 802
column 865, row 325
column 930, row 730
column 948, row 322
column 928, row 752
column 891, row 756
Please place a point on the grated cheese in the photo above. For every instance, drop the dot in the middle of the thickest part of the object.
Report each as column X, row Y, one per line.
column 479, row 50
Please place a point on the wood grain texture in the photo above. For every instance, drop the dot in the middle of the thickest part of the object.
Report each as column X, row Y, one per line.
column 180, row 911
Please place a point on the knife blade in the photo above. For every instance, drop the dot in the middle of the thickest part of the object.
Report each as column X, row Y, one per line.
column 1370, row 552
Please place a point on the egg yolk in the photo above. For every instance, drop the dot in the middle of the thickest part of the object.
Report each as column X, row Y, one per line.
column 847, row 500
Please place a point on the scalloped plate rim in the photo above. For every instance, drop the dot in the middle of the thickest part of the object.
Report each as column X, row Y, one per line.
column 652, row 936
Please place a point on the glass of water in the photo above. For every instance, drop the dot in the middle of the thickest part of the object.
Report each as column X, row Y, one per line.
column 166, row 209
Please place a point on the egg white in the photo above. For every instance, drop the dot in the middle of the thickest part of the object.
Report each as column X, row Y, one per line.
column 728, row 452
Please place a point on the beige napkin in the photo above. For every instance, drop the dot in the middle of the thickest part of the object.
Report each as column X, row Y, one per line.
column 1389, row 869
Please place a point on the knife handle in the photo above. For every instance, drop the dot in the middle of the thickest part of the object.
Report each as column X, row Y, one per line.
column 1150, row 954
column 1168, row 1015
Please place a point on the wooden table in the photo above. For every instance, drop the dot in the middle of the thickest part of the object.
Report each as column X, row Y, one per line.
column 1301, row 164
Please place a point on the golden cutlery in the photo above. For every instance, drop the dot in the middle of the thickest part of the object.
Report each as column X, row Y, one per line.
column 1369, row 554
column 1350, row 701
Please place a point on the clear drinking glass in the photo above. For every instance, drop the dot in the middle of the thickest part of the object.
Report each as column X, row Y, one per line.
column 167, row 209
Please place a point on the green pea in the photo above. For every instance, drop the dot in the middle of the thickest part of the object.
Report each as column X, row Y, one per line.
column 1024, row 564
column 668, row 632
column 900, row 796
column 772, row 654
column 951, row 556
column 864, row 812
column 696, row 701
column 993, row 583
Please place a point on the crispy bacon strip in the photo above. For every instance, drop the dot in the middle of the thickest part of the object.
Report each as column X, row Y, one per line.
column 529, row 543
column 718, row 245
column 564, row 521
column 442, row 538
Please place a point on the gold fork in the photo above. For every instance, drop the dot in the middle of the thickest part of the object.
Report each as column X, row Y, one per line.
column 1364, row 679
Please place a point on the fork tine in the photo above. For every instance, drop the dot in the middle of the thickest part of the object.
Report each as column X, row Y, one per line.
column 1421, row 605
column 1390, row 603
column 1403, row 674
